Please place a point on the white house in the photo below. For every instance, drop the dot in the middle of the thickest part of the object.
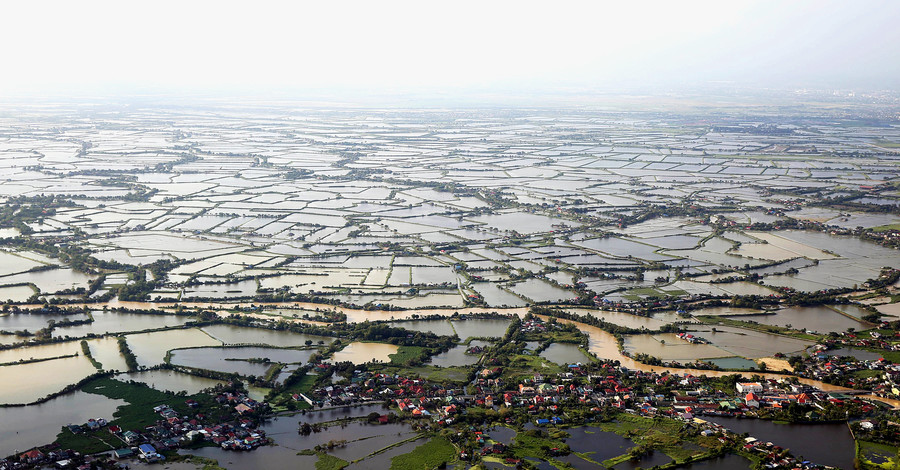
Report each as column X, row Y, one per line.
column 747, row 387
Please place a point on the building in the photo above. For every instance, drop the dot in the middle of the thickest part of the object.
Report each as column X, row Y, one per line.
column 747, row 387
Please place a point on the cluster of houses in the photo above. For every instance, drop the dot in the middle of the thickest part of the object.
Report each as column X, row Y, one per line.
column 366, row 386
column 691, row 338
column 872, row 339
column 825, row 366
column 536, row 325
column 171, row 431
column 50, row 456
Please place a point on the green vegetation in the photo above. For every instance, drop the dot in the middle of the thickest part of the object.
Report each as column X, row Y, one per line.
column 330, row 462
column 280, row 398
column 130, row 358
column 886, row 228
column 661, row 434
column 433, row 454
column 889, row 144
column 433, row 373
column 864, row 374
column 873, row 455
column 86, row 349
column 204, row 463
column 137, row 413
column 42, row 359
column 536, row 443
column 526, row 365
column 408, row 355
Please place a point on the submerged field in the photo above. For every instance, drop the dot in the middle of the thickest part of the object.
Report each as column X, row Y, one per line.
column 186, row 249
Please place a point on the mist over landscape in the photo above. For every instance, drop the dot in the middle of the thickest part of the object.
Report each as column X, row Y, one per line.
column 421, row 235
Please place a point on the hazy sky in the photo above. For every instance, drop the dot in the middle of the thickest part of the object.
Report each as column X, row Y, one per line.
column 446, row 45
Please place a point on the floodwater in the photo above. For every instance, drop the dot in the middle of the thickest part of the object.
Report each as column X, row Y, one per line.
column 804, row 440
column 750, row 343
column 726, row 462
column 16, row 293
column 481, row 328
column 36, row 380
column 264, row 458
column 628, row 320
column 564, row 353
column 598, row 444
column 360, row 353
column 171, row 380
column 150, row 348
column 860, row 354
column 669, row 347
column 734, row 363
column 39, row 424
column 106, row 352
column 541, row 291
column 496, row 296
column 231, row 334
column 438, row 327
column 604, row 346
column 116, row 322
column 818, row 319
column 383, row 460
column 52, row 280
column 457, row 356
column 33, row 321
column 41, row 351
column 222, row 359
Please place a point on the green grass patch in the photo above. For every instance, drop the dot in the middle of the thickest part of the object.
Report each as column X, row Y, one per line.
column 531, row 444
column 876, row 455
column 88, row 443
column 435, row 374
column 885, row 228
column 138, row 412
column 663, row 435
column 865, row 374
column 888, row 144
column 405, row 354
column 526, row 365
column 304, row 385
column 204, row 463
column 330, row 462
column 429, row 455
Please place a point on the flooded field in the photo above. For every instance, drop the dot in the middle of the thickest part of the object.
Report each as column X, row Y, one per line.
column 293, row 215
column 457, row 356
column 479, row 328
column 438, row 327
column 41, row 423
column 106, row 352
column 564, row 354
column 669, row 347
column 230, row 335
column 359, row 353
column 750, row 344
column 33, row 321
column 171, row 380
column 117, row 322
column 151, row 348
column 244, row 361
column 802, row 439
column 44, row 378
column 819, row 319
